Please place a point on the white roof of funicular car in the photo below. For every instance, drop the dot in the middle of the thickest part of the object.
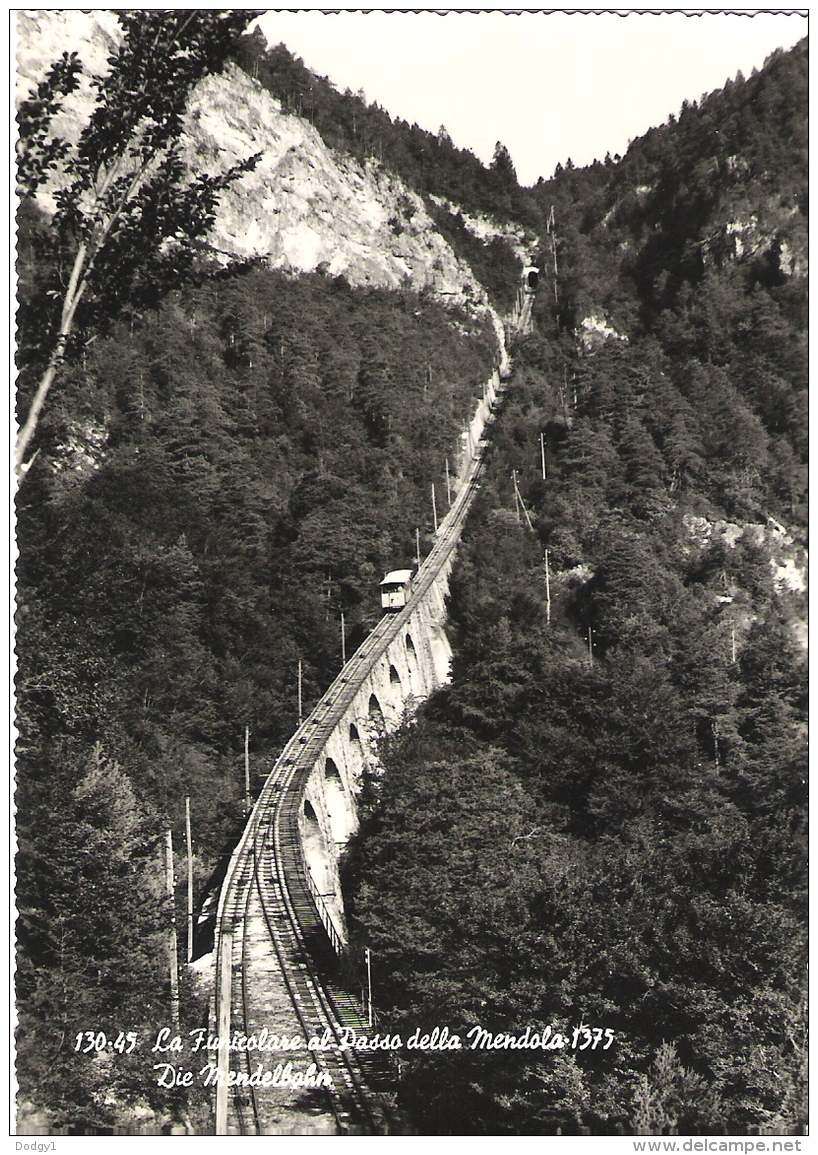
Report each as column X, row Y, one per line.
column 398, row 577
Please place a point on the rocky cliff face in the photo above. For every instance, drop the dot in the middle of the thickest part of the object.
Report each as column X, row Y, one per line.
column 771, row 228
column 304, row 207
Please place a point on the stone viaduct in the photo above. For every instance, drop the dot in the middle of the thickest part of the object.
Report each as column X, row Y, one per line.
column 403, row 661
column 282, row 883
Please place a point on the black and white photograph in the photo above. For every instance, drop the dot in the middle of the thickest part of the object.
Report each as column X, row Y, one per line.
column 408, row 476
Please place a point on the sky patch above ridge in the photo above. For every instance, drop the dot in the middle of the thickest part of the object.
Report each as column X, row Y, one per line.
column 550, row 84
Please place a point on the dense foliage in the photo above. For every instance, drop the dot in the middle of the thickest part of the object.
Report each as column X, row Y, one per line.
column 622, row 845
column 601, row 820
column 219, row 480
column 128, row 212
column 610, row 836
column 697, row 238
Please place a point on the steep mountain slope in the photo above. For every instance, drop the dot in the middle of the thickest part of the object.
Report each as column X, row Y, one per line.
column 224, row 473
column 720, row 189
column 304, row 207
column 222, row 477
column 694, row 246
column 429, row 162
column 599, row 827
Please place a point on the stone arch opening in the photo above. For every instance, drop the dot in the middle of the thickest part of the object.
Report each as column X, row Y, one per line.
column 375, row 711
column 340, row 809
column 316, row 851
column 354, row 736
column 394, row 676
column 412, row 662
column 441, row 653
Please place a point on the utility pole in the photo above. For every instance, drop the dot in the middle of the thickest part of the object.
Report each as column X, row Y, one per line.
column 518, row 497
column 552, row 226
column 369, row 984
column 448, row 484
column 733, row 635
column 417, row 547
column 343, row 641
column 542, row 455
column 564, row 390
column 246, row 769
column 516, row 494
column 224, row 995
column 173, row 948
column 300, row 699
column 434, row 506
column 189, row 844
column 590, row 646
column 547, row 591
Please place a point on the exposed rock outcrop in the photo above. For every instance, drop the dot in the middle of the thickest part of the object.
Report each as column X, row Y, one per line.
column 304, row 207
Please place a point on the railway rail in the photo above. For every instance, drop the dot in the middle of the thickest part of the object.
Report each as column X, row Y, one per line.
column 276, row 943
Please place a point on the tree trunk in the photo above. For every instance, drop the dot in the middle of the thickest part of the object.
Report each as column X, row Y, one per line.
column 73, row 294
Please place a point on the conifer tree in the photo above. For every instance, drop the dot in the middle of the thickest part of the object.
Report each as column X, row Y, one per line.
column 127, row 208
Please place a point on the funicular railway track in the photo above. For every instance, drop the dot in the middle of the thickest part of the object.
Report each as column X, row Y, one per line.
column 269, row 906
column 271, row 876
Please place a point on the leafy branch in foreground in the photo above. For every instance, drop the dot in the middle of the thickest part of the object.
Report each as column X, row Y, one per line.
column 127, row 208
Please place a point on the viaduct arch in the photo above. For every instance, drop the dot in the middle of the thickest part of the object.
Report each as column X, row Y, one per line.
column 282, row 882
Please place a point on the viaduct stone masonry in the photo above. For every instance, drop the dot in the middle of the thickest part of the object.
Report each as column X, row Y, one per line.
column 404, row 660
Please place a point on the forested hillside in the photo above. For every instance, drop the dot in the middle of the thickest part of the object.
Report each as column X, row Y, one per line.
column 693, row 246
column 217, row 482
column 601, row 822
